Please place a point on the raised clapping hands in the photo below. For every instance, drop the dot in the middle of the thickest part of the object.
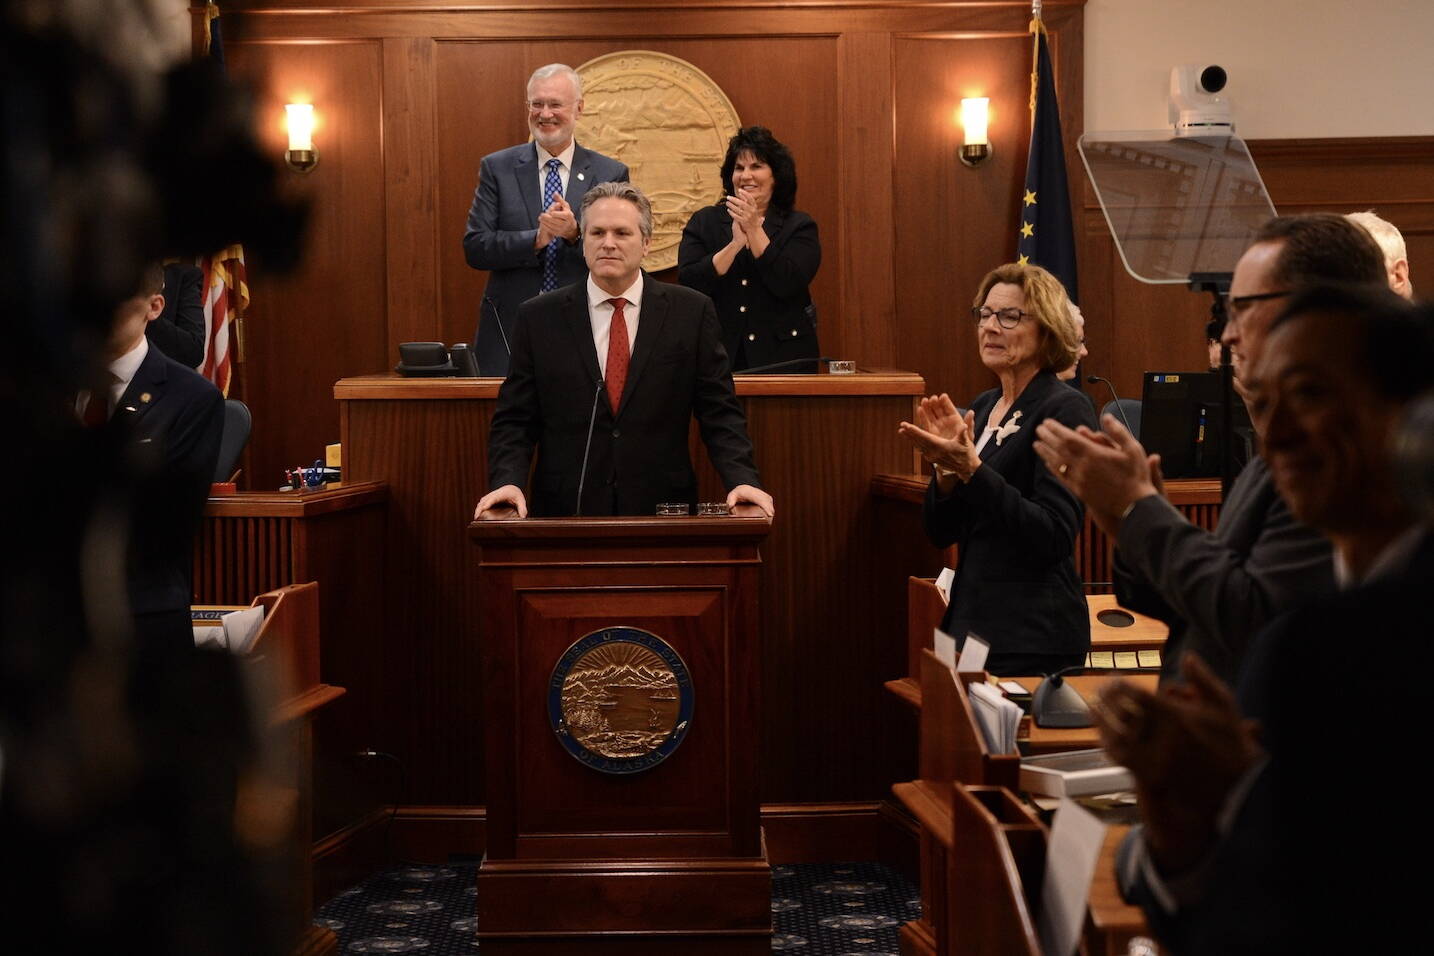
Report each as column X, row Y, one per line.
column 745, row 215
column 1187, row 746
column 943, row 437
column 1108, row 470
column 502, row 499
column 747, row 222
column 556, row 222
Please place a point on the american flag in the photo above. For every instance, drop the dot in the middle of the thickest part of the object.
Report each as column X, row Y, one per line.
column 226, row 285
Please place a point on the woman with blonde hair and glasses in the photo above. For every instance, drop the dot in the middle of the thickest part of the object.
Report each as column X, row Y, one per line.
column 1013, row 523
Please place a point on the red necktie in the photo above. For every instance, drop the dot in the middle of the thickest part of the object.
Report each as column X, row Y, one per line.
column 617, row 354
column 97, row 410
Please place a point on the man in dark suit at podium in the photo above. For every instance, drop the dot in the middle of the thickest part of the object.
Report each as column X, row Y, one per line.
column 522, row 227
column 606, row 377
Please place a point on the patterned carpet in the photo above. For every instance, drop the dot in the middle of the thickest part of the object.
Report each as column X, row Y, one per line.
column 818, row 909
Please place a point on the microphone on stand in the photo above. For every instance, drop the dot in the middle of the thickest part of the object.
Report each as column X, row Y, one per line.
column 1092, row 379
column 790, row 363
column 499, row 319
column 583, row 474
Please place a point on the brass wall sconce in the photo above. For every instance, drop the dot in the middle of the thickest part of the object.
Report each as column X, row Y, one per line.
column 301, row 154
column 975, row 113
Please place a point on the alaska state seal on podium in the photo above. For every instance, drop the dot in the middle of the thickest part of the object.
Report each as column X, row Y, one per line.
column 620, row 699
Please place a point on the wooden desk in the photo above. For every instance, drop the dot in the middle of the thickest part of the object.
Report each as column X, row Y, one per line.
column 1112, row 922
column 257, row 541
column 1044, row 740
column 819, row 440
column 899, row 499
column 286, row 650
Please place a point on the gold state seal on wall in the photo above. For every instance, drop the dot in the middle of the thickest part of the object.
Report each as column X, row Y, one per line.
column 620, row 699
column 670, row 123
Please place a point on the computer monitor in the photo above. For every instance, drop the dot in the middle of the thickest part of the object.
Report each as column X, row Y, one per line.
column 1180, row 419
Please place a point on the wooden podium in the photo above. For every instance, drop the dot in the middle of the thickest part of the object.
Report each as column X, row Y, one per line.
column 621, row 667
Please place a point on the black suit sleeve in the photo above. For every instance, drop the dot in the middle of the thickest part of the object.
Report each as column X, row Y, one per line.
column 791, row 261
column 1046, row 522
column 485, row 244
column 719, row 414
column 178, row 332
column 694, row 255
column 517, row 421
column 1168, row 564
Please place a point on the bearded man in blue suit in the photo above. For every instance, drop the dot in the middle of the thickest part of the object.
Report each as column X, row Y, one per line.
column 522, row 227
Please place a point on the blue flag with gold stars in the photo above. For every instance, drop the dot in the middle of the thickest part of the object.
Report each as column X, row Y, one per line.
column 1047, row 237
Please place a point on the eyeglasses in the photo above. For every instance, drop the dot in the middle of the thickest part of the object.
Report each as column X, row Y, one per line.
column 1008, row 318
column 552, row 106
column 1236, row 305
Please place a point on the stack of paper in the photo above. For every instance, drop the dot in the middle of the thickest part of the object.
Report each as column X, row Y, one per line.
column 997, row 717
column 232, row 629
column 1074, row 773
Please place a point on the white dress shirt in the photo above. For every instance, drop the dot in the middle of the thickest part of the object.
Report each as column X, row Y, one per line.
column 600, row 314
column 122, row 371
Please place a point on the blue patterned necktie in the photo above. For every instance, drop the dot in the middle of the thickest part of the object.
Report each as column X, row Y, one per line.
column 552, row 189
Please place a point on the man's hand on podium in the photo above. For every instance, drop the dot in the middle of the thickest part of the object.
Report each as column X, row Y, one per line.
column 749, row 494
column 508, row 496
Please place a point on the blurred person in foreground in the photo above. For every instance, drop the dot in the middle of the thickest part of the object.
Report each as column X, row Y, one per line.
column 1216, row 590
column 1254, row 840
column 117, row 800
column 756, row 255
column 1013, row 523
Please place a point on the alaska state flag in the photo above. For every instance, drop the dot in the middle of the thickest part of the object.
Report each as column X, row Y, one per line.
column 1047, row 237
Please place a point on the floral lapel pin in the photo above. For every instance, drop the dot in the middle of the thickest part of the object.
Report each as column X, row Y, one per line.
column 1010, row 428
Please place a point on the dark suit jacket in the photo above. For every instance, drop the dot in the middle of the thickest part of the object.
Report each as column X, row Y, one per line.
column 1014, row 527
column 178, row 332
column 1304, row 868
column 1217, row 590
column 766, row 311
column 170, row 420
column 502, row 226
column 639, row 451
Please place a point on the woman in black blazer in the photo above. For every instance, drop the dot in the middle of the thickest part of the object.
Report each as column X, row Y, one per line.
column 1013, row 523
column 756, row 256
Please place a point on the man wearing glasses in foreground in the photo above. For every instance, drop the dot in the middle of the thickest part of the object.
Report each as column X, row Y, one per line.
column 522, row 227
column 1216, row 590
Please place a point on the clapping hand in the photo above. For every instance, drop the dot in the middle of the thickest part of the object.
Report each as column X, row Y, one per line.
column 556, row 222
column 943, row 437
column 745, row 216
column 1187, row 746
column 1108, row 470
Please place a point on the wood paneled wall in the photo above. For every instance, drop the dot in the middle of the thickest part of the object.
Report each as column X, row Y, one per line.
column 409, row 98
column 411, row 95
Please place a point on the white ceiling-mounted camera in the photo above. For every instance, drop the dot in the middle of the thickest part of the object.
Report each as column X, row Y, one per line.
column 1197, row 106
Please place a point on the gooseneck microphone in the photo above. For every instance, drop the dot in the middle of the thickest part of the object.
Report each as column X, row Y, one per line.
column 592, row 420
column 1092, row 379
column 499, row 319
